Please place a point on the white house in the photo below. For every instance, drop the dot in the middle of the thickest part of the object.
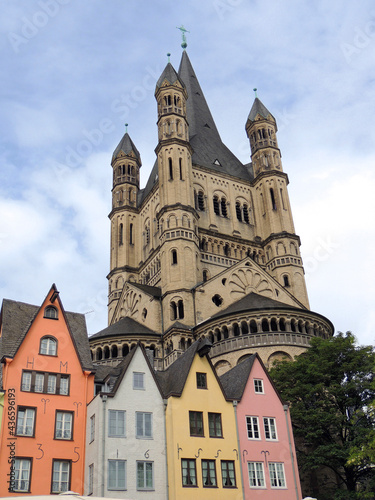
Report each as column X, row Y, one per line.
column 125, row 443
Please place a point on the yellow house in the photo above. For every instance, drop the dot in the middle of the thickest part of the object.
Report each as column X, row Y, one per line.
column 202, row 445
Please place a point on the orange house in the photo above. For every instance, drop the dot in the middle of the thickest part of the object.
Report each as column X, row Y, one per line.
column 48, row 379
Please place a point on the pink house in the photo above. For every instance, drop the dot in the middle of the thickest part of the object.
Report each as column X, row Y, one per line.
column 268, row 457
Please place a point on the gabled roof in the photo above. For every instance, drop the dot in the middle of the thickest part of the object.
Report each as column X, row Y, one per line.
column 209, row 150
column 126, row 145
column 170, row 75
column 124, row 326
column 16, row 319
column 172, row 380
column 234, row 381
column 154, row 291
column 259, row 108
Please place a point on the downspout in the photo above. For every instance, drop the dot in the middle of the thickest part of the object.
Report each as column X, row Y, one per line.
column 104, row 401
column 291, row 449
column 235, row 403
column 165, row 401
column 86, row 374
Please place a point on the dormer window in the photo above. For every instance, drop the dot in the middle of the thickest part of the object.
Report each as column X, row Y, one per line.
column 50, row 312
column 48, row 346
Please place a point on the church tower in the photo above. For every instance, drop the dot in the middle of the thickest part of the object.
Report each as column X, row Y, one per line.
column 207, row 249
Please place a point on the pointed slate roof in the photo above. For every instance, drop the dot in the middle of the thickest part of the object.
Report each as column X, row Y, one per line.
column 124, row 326
column 209, row 150
column 126, row 145
column 170, row 75
column 258, row 108
column 172, row 380
column 234, row 381
column 17, row 317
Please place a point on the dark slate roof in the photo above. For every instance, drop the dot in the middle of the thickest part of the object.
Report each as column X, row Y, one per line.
column 172, row 380
column 124, row 326
column 179, row 325
column 170, row 75
column 126, row 145
column 154, row 291
column 203, row 134
column 234, row 381
column 152, row 180
column 102, row 372
column 16, row 319
column 258, row 107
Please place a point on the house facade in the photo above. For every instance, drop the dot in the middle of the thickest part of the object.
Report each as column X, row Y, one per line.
column 48, row 379
column 125, row 443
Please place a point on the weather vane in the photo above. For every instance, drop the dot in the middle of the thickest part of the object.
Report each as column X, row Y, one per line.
column 255, row 90
column 126, row 128
column 183, row 31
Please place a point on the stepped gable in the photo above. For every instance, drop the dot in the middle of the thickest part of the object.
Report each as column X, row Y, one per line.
column 122, row 327
column 209, row 150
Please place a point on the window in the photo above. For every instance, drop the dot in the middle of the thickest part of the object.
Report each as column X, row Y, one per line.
column 92, row 428
column 258, row 385
column 170, row 164
column 286, row 280
column 116, row 474
column 174, row 256
column 224, row 210
column 138, row 380
column 48, row 345
column 143, row 425
column 201, row 380
column 273, row 201
column 252, row 424
column 201, row 200
column 50, row 312
column 131, row 234
column 25, row 422
column 64, row 425
column 60, row 476
column 91, row 479
column 270, row 428
column 256, row 474
column 239, row 211
column 22, row 474
column 50, row 383
column 228, row 474
column 189, row 472
column 216, row 205
column 116, row 423
column 277, row 476
column 121, row 234
column 196, row 423
column 214, row 425
column 145, row 475
column 209, row 474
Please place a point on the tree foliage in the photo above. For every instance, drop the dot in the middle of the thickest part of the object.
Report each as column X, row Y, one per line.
column 330, row 389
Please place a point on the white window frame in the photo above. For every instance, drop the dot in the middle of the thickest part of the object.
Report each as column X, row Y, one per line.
column 61, row 482
column 51, row 383
column 39, row 382
column 258, row 386
column 116, row 467
column 64, row 425
column 140, row 425
column 142, row 475
column 22, row 474
column 252, row 425
column 22, row 429
column 92, row 428
column 48, row 346
column 113, row 416
column 91, row 480
column 256, row 475
column 277, row 475
column 26, row 381
column 138, row 381
column 270, row 430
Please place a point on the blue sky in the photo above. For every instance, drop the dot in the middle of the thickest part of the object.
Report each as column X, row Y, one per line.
column 73, row 73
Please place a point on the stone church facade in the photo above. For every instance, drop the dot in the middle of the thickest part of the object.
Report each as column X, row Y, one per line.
column 208, row 248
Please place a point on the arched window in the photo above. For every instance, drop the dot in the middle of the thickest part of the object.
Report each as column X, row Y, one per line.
column 180, row 166
column 224, row 210
column 238, row 211
column 226, row 250
column 50, row 312
column 205, row 275
column 121, row 234
column 273, row 201
column 253, row 326
column 286, row 280
column 147, row 235
column 170, row 164
column 125, row 350
column 236, row 330
column 201, row 201
column 180, row 306
column 173, row 311
column 244, row 328
column 131, row 234
column 168, row 100
column 246, row 214
column 274, row 325
column 99, row 354
column 48, row 346
column 174, row 256
column 106, row 352
column 216, row 205
column 265, row 325
column 114, row 351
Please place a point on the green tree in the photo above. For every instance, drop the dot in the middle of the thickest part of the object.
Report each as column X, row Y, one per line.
column 330, row 388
